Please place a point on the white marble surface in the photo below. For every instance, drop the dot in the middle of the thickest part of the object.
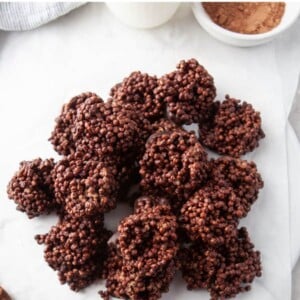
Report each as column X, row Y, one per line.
column 90, row 50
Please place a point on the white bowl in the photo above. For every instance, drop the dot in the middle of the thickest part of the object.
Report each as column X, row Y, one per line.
column 143, row 14
column 292, row 10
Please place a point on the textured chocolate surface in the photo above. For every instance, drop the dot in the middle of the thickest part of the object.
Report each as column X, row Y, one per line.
column 188, row 92
column 234, row 130
column 32, row 187
column 76, row 249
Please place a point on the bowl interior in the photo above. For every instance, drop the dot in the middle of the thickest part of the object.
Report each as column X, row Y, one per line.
column 292, row 10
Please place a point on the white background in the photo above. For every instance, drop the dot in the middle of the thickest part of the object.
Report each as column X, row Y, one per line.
column 89, row 50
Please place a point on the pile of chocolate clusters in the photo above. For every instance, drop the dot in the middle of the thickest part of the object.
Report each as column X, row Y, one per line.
column 187, row 207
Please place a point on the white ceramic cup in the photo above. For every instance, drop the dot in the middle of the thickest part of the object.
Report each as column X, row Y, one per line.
column 143, row 14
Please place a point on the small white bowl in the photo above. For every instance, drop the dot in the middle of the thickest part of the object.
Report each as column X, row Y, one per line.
column 143, row 14
column 291, row 13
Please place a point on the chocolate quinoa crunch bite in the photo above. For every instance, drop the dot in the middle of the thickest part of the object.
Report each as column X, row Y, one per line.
column 198, row 265
column 149, row 238
column 137, row 93
column 234, row 130
column 105, row 130
column 188, row 92
column 62, row 136
column 125, row 281
column 210, row 215
column 242, row 176
column 142, row 263
column 224, row 271
column 88, row 124
column 77, row 249
column 32, row 187
column 174, row 165
column 186, row 207
column 85, row 185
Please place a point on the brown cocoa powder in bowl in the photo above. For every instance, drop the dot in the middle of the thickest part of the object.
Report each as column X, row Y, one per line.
column 245, row 17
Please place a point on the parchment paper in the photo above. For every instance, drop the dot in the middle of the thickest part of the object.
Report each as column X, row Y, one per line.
column 89, row 50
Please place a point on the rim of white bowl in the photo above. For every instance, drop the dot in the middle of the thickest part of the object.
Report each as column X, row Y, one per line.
column 200, row 12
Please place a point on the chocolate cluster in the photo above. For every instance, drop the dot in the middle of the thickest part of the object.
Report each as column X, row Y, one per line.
column 142, row 262
column 63, row 136
column 174, row 165
column 105, row 130
column 148, row 236
column 126, row 282
column 242, row 176
column 187, row 207
column 224, row 271
column 210, row 215
column 32, row 187
column 84, row 185
column 234, row 129
column 188, row 92
column 76, row 249
column 88, row 124
column 137, row 91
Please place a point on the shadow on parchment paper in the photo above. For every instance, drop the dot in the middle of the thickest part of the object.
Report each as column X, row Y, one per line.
column 294, row 116
column 3, row 38
column 294, row 119
column 296, row 282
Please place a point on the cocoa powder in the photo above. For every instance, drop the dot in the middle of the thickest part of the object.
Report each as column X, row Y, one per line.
column 246, row 17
